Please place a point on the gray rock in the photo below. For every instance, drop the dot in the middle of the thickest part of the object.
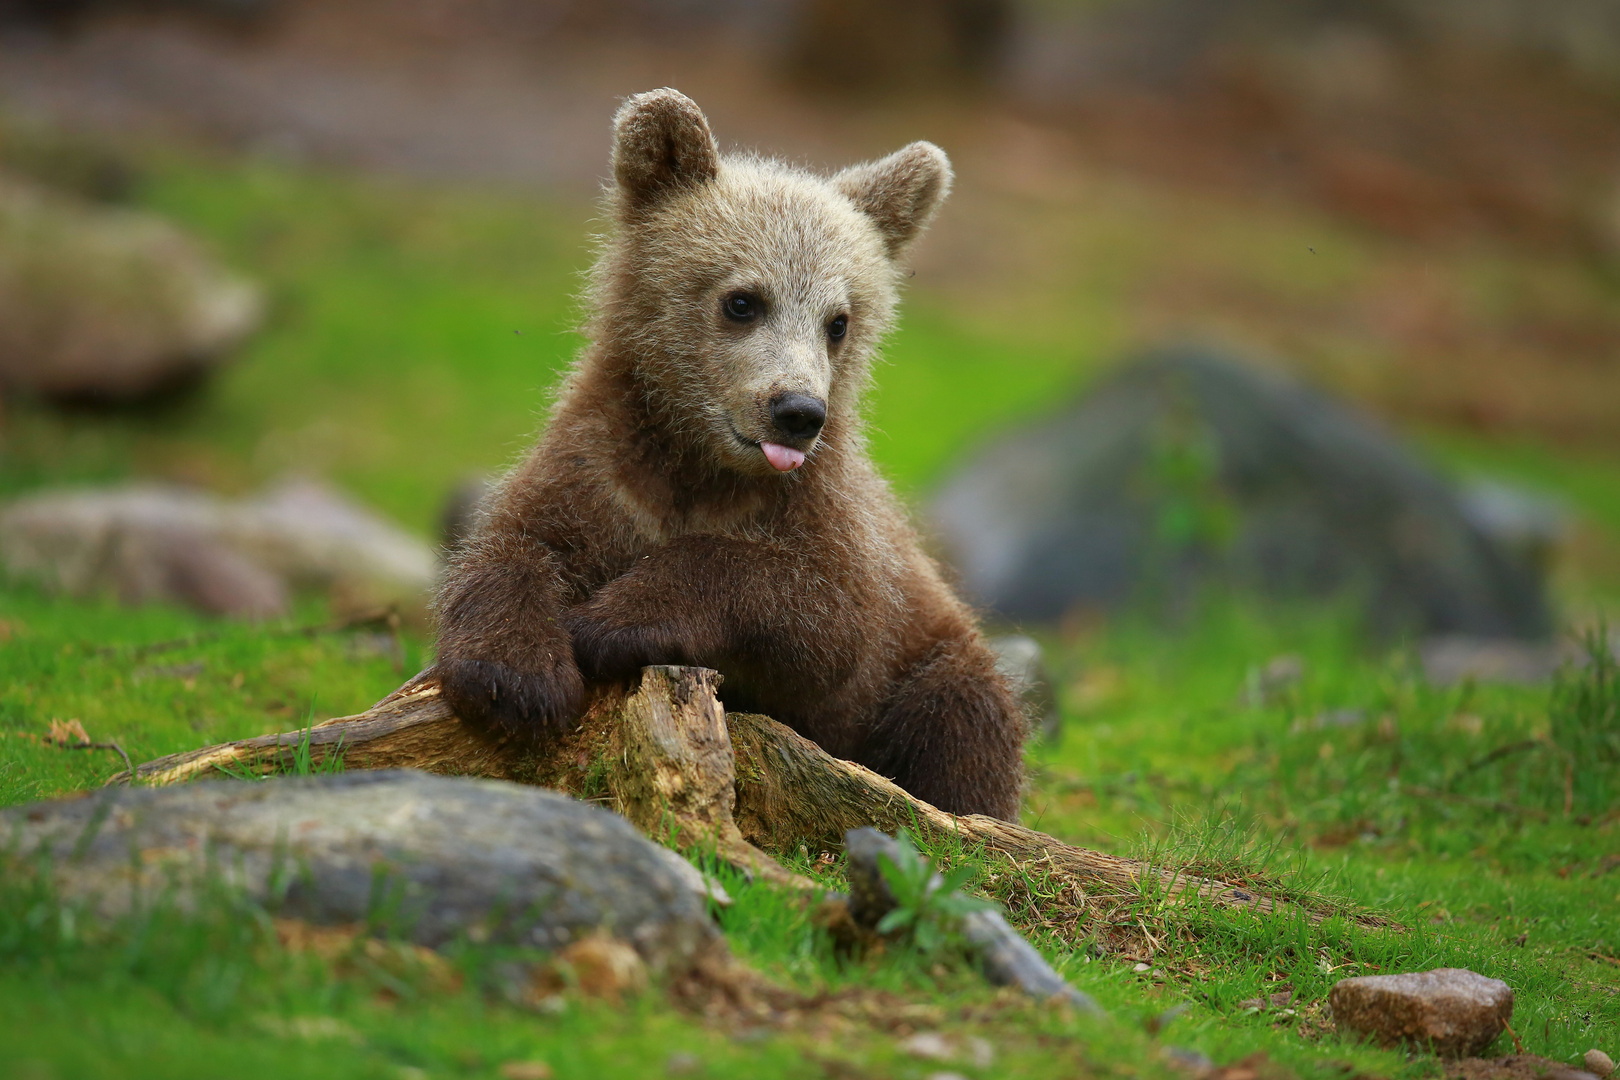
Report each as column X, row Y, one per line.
column 1456, row 1011
column 175, row 566
column 1450, row 659
column 1533, row 527
column 108, row 304
column 1189, row 469
column 459, row 515
column 1270, row 684
column 435, row 858
column 141, row 542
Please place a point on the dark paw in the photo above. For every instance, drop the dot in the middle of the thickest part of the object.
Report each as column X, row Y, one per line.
column 496, row 698
column 608, row 653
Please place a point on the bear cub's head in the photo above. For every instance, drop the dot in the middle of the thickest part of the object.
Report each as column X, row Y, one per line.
column 752, row 295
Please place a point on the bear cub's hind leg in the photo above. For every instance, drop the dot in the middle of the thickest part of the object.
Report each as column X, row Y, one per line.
column 953, row 734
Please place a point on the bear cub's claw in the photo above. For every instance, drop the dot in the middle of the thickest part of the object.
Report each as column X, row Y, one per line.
column 495, row 698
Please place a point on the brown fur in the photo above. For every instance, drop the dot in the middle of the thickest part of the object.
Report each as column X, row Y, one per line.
column 648, row 527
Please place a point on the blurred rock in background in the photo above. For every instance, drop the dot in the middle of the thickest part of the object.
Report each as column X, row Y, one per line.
column 1530, row 527
column 1022, row 662
column 1190, row 470
column 458, row 516
column 86, row 167
column 152, row 543
column 107, row 304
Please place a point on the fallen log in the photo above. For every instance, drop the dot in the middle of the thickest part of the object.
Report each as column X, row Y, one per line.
column 658, row 754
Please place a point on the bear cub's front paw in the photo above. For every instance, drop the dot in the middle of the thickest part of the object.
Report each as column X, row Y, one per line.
column 607, row 652
column 497, row 698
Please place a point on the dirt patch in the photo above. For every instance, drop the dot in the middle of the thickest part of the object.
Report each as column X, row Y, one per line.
column 1514, row 1067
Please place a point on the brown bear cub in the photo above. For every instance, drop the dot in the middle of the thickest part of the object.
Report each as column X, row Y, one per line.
column 702, row 494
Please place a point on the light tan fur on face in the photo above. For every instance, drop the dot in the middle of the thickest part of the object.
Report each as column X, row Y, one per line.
column 810, row 248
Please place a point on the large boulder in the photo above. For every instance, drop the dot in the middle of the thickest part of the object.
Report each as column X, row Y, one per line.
column 1188, row 469
column 108, row 304
column 432, row 858
column 148, row 542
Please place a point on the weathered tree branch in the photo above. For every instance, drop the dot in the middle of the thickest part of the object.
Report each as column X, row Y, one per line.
column 659, row 753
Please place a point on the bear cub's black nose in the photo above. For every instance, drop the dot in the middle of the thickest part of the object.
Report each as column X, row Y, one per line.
column 798, row 416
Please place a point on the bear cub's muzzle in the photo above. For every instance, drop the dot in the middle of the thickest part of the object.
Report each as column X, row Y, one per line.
column 798, row 418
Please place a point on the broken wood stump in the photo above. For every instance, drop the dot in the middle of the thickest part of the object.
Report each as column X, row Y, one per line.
column 666, row 755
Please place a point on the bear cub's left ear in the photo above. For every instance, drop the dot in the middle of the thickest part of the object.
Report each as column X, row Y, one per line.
column 901, row 192
column 661, row 143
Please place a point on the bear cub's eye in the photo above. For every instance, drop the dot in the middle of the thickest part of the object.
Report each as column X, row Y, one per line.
column 838, row 327
column 740, row 306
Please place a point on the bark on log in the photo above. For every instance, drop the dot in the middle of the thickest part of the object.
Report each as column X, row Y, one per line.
column 657, row 754
column 790, row 791
column 676, row 769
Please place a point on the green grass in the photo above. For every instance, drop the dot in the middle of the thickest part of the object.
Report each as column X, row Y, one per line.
column 212, row 991
column 1161, row 756
column 161, row 681
column 416, row 335
column 392, row 365
column 1404, row 809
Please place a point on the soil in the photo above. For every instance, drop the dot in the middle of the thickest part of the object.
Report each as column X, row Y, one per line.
column 1514, row 1067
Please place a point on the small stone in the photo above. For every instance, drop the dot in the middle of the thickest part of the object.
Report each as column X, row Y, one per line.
column 1190, row 1061
column 1272, row 682
column 929, row 1045
column 1270, row 1002
column 1139, row 968
column 1597, row 1062
column 1458, row 1012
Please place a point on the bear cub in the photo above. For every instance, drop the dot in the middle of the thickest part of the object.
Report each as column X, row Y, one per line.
column 702, row 493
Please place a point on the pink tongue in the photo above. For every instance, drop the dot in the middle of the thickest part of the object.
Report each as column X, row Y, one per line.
column 782, row 458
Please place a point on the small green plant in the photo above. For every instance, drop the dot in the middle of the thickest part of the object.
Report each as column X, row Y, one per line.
column 301, row 761
column 929, row 907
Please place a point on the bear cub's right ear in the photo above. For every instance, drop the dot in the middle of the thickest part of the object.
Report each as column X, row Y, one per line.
column 661, row 142
column 901, row 192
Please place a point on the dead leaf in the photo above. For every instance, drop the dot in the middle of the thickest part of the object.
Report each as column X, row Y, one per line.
column 67, row 733
column 598, row 966
column 525, row 1070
